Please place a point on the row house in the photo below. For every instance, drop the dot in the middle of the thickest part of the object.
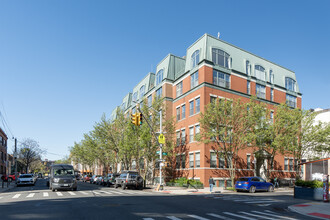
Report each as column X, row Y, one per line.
column 3, row 152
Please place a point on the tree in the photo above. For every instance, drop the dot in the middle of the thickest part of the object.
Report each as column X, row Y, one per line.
column 29, row 152
column 65, row 160
column 226, row 125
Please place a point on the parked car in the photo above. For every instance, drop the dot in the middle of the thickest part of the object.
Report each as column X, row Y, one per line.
column 99, row 180
column 111, row 179
column 25, row 179
column 253, row 184
column 94, row 179
column 129, row 179
column 87, row 178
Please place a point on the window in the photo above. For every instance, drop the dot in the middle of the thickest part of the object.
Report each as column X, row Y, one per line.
column 271, row 94
column 191, row 160
column 179, row 89
column 221, row 79
column 290, row 84
column 229, row 161
column 198, row 159
column 159, row 77
column 271, row 77
column 291, row 164
column 123, row 106
column 195, row 59
column 248, row 68
column 159, row 92
column 248, row 87
column 183, row 161
column 220, row 58
column 135, row 95
column 296, row 165
column 248, row 161
column 213, row 99
column 260, row 72
column 178, row 114
column 142, row 91
column 213, row 160
column 142, row 163
column 291, row 100
column 271, row 117
column 183, row 137
column 191, row 134
column 197, row 105
column 221, row 162
column 261, row 91
column 285, row 163
column 149, row 100
column 178, row 138
column 183, row 112
column 197, row 129
column 194, row 79
column 191, row 108
column 177, row 164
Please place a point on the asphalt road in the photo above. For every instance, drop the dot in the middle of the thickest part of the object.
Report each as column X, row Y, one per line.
column 95, row 202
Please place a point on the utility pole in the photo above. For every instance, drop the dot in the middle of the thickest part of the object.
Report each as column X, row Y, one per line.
column 15, row 155
column 161, row 148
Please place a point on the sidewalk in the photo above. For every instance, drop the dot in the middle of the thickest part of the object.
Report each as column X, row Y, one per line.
column 5, row 188
column 314, row 209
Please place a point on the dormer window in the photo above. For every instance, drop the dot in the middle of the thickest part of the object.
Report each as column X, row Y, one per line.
column 290, row 84
column 220, row 58
column 159, row 77
column 195, row 59
column 260, row 72
column 142, row 91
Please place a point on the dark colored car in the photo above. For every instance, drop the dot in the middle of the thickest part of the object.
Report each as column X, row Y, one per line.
column 253, row 184
column 129, row 179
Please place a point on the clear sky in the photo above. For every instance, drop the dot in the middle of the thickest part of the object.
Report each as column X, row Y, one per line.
column 65, row 63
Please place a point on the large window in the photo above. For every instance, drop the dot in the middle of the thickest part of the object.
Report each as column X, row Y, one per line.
column 290, row 84
column 221, row 162
column 191, row 160
column 261, row 91
column 191, row 107
column 291, row 100
column 271, row 94
column 178, row 114
column 159, row 92
column 291, row 165
column 194, row 80
column 248, row 161
column 177, row 164
column 198, row 159
column 195, row 59
column 197, row 102
column 260, row 72
column 221, row 79
column 213, row 160
column 220, row 58
column 178, row 138
column 179, row 89
column 183, row 137
column 142, row 91
column 286, row 163
column 183, row 161
column 159, row 77
column 183, row 112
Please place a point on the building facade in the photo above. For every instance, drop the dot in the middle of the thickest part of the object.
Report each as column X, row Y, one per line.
column 213, row 69
column 3, row 152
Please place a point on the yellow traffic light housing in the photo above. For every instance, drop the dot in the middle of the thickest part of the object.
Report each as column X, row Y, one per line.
column 140, row 118
column 134, row 119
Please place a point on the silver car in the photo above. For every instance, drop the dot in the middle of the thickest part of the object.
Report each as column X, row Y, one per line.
column 25, row 179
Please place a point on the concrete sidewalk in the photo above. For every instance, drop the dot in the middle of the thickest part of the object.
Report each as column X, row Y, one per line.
column 5, row 188
column 314, row 209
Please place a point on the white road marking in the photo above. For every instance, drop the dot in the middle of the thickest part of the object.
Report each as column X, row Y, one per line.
column 72, row 193
column 261, row 201
column 59, row 193
column 85, row 193
column 106, row 192
column 173, row 218
column 30, row 195
column 216, row 215
column 239, row 216
column 197, row 217
column 259, row 216
column 117, row 192
column 16, row 196
column 97, row 193
column 148, row 219
column 273, row 215
column 45, row 194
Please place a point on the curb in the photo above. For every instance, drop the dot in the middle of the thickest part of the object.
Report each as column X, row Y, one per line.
column 292, row 209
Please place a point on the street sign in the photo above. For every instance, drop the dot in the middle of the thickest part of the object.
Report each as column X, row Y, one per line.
column 157, row 152
column 164, row 153
column 161, row 139
column 159, row 160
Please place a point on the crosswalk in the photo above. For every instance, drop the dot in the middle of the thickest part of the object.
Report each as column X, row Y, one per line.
column 251, row 215
column 246, row 199
column 32, row 195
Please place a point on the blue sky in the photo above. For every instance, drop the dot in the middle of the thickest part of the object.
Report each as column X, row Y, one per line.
column 65, row 63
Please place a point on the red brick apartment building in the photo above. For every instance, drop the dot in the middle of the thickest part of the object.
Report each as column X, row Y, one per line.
column 3, row 152
column 211, row 69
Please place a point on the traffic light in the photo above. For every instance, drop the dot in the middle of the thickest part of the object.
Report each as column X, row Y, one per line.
column 140, row 117
column 134, row 119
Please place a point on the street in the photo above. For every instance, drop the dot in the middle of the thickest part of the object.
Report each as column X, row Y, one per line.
column 96, row 202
